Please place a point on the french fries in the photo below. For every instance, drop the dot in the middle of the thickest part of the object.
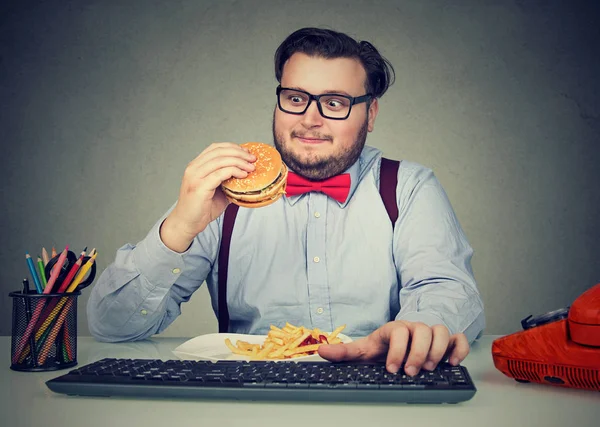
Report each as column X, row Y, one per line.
column 286, row 343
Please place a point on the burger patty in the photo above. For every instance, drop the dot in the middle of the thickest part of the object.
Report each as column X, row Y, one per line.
column 257, row 191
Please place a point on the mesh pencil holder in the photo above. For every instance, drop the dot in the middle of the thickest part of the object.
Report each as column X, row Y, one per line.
column 44, row 331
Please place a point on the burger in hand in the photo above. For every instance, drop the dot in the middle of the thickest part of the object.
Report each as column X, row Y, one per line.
column 264, row 185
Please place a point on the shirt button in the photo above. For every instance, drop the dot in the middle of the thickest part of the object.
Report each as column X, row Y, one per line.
column 316, row 259
column 320, row 310
column 176, row 270
column 317, row 215
column 144, row 312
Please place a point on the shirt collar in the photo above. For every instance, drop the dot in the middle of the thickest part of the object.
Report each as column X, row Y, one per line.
column 356, row 171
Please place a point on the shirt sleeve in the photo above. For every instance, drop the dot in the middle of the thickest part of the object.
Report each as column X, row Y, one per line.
column 433, row 257
column 140, row 293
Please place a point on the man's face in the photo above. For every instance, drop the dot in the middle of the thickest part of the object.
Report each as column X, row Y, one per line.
column 314, row 146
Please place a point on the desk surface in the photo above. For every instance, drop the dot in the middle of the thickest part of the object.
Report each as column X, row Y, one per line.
column 26, row 401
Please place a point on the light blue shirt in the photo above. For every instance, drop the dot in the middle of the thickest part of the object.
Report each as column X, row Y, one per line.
column 308, row 260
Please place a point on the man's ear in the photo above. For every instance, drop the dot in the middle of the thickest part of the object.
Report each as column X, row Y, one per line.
column 373, row 110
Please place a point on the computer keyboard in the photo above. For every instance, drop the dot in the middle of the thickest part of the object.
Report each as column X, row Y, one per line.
column 258, row 380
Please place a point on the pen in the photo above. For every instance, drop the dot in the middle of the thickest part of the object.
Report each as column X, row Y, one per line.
column 36, row 279
column 26, row 289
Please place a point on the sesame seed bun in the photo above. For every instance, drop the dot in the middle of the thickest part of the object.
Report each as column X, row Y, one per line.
column 264, row 185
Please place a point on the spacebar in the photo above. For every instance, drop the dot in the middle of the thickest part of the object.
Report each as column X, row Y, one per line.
column 109, row 379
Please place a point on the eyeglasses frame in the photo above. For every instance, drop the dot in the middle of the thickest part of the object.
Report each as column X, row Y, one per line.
column 311, row 97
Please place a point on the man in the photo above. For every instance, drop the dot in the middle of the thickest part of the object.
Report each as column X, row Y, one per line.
column 309, row 259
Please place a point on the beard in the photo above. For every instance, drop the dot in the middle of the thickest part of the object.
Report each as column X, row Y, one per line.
column 318, row 168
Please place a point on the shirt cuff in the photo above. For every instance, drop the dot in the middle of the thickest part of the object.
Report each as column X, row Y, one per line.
column 156, row 262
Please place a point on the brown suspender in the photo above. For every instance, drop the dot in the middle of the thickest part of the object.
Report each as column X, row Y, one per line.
column 228, row 221
column 388, row 181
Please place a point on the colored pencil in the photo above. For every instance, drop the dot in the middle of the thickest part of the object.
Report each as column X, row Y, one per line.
column 34, row 276
column 53, row 254
column 82, row 272
column 37, row 343
column 46, row 320
column 70, row 275
column 56, row 270
column 67, row 341
column 45, row 256
column 40, row 265
column 54, row 332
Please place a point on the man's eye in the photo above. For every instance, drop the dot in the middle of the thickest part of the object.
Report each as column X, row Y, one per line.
column 336, row 104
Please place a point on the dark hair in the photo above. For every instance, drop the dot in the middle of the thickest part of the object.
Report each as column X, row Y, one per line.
column 331, row 44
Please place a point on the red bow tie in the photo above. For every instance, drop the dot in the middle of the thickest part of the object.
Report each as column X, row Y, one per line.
column 336, row 187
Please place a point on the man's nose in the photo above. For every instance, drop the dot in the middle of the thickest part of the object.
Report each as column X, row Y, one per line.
column 312, row 117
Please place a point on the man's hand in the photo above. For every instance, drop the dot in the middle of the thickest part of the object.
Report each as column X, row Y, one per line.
column 398, row 341
column 200, row 197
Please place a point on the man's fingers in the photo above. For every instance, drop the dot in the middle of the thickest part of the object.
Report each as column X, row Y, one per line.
column 419, row 348
column 333, row 352
column 217, row 145
column 211, row 168
column 232, row 155
column 458, row 349
column 398, row 344
column 213, row 180
column 439, row 346
column 219, row 163
column 426, row 347
column 212, row 148
column 372, row 347
column 360, row 350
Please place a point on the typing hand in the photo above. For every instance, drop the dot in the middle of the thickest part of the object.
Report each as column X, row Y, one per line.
column 419, row 345
column 200, row 198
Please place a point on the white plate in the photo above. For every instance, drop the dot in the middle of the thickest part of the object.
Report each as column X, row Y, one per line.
column 212, row 347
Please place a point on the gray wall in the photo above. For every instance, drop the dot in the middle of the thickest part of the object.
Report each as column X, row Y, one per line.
column 105, row 102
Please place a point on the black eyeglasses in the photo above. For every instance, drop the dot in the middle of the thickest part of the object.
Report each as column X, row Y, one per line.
column 333, row 106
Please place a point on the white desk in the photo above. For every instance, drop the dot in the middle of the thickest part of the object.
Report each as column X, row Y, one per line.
column 500, row 401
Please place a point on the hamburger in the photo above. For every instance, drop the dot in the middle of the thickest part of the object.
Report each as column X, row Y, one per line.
column 264, row 185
